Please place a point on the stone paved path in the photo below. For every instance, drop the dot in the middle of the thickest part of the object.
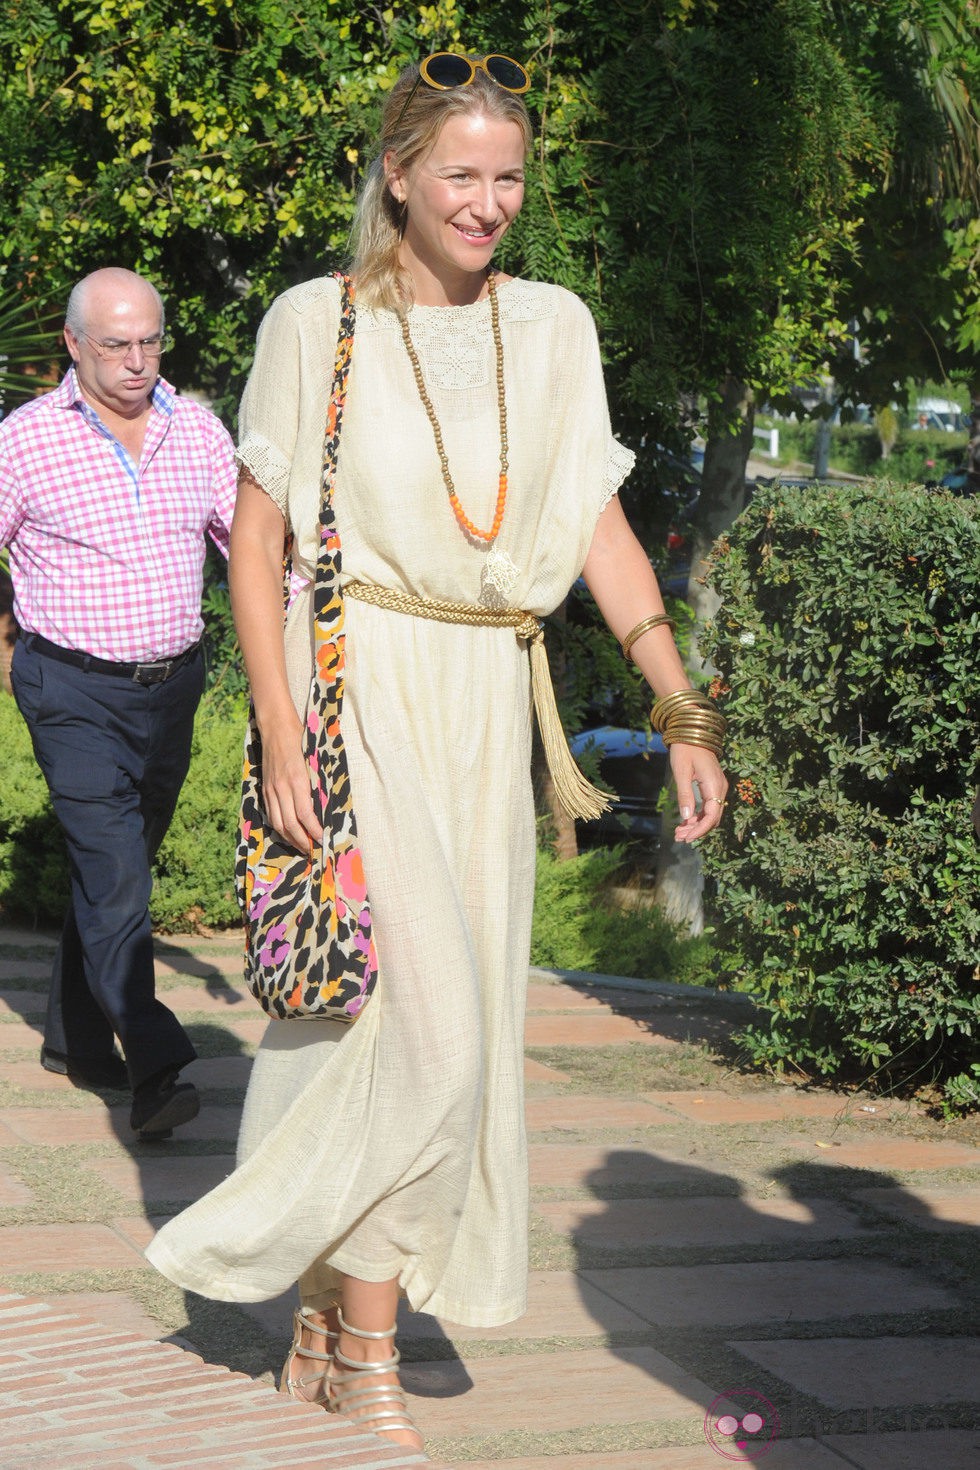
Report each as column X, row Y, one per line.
column 704, row 1248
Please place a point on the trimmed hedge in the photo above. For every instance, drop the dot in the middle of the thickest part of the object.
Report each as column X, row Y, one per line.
column 193, row 883
column 848, row 874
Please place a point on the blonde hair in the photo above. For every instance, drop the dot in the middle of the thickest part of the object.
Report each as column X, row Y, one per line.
column 409, row 133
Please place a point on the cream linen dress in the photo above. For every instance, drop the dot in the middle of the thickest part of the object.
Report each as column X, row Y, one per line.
column 396, row 1147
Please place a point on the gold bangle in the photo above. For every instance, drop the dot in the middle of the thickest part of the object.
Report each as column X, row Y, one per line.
column 644, row 627
column 682, row 703
column 689, row 718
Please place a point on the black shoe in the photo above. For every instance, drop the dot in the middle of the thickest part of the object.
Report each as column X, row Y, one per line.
column 161, row 1104
column 107, row 1071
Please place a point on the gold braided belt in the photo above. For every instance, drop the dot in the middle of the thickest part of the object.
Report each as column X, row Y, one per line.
column 577, row 795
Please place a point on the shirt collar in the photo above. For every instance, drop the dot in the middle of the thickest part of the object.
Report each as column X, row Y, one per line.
column 69, row 395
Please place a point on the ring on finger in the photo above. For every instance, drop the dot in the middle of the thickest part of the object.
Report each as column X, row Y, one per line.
column 715, row 798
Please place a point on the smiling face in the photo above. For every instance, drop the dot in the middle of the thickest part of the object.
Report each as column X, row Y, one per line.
column 117, row 306
column 460, row 200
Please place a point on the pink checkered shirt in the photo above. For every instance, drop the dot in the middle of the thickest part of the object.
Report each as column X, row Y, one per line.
column 107, row 556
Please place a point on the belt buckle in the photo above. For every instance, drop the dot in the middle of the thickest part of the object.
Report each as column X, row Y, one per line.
column 147, row 674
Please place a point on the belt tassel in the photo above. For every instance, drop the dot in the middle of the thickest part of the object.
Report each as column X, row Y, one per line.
column 577, row 795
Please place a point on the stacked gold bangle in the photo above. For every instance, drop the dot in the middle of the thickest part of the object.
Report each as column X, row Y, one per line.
column 655, row 622
column 688, row 718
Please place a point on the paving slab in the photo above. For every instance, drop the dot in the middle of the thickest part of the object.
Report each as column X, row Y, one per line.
column 222, row 1001
column 21, row 1035
column 600, row 1029
column 578, row 1111
column 26, row 969
column 932, row 1209
column 17, row 936
column 30, row 1076
column 49, row 1127
column 712, row 1105
column 535, row 1071
column 943, row 1449
column 560, row 1304
column 25, row 1003
column 77, row 1247
column 249, row 1027
column 13, row 1190
column 599, row 1167
column 850, row 1373
column 8, row 1139
column 226, row 1073
column 544, row 997
column 636, row 1383
column 905, row 1154
column 148, row 1178
column 767, row 1291
column 698, row 1222
column 224, row 965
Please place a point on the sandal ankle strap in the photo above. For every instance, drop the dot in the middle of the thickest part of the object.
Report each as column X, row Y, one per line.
column 345, row 1326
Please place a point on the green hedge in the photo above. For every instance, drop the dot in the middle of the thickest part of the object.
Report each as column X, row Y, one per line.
column 848, row 874
column 194, row 866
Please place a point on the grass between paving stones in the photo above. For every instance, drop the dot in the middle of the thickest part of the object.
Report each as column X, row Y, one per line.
column 519, row 1444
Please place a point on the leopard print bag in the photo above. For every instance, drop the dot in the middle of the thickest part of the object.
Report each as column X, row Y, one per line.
column 309, row 950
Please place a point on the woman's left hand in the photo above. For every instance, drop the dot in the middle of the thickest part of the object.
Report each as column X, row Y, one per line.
column 690, row 764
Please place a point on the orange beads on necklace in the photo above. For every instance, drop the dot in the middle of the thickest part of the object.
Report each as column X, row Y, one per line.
column 465, row 524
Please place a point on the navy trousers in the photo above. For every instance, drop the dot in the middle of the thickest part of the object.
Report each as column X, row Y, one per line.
column 114, row 754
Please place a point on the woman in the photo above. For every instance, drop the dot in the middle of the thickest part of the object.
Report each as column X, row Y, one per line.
column 389, row 1158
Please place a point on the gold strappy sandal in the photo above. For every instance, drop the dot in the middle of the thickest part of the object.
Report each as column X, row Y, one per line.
column 294, row 1387
column 378, row 1407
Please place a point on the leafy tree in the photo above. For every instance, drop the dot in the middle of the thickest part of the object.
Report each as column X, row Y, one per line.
column 213, row 146
column 913, row 287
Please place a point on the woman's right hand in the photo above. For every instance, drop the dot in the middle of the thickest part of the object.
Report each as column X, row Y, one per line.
column 286, row 793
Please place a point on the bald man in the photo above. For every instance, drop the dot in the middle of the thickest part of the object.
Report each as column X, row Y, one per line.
column 109, row 487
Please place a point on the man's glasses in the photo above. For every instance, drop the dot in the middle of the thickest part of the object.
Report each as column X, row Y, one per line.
column 445, row 70
column 112, row 348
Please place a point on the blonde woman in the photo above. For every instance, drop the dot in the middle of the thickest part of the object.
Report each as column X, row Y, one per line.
column 477, row 469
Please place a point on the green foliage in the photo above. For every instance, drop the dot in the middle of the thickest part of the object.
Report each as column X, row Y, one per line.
column 579, row 925
column 33, row 866
column 194, row 866
column 24, row 339
column 215, row 147
column 855, row 449
column 226, row 670
column 848, row 873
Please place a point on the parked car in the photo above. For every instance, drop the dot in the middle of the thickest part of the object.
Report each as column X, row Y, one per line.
column 634, row 764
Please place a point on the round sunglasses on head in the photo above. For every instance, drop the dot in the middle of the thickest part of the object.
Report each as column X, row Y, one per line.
column 446, row 70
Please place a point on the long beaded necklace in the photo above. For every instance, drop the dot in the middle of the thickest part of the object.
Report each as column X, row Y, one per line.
column 466, row 525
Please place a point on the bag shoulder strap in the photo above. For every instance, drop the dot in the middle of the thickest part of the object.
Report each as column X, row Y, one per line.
column 335, row 411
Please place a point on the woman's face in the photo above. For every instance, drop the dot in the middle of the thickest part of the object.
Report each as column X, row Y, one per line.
column 461, row 198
